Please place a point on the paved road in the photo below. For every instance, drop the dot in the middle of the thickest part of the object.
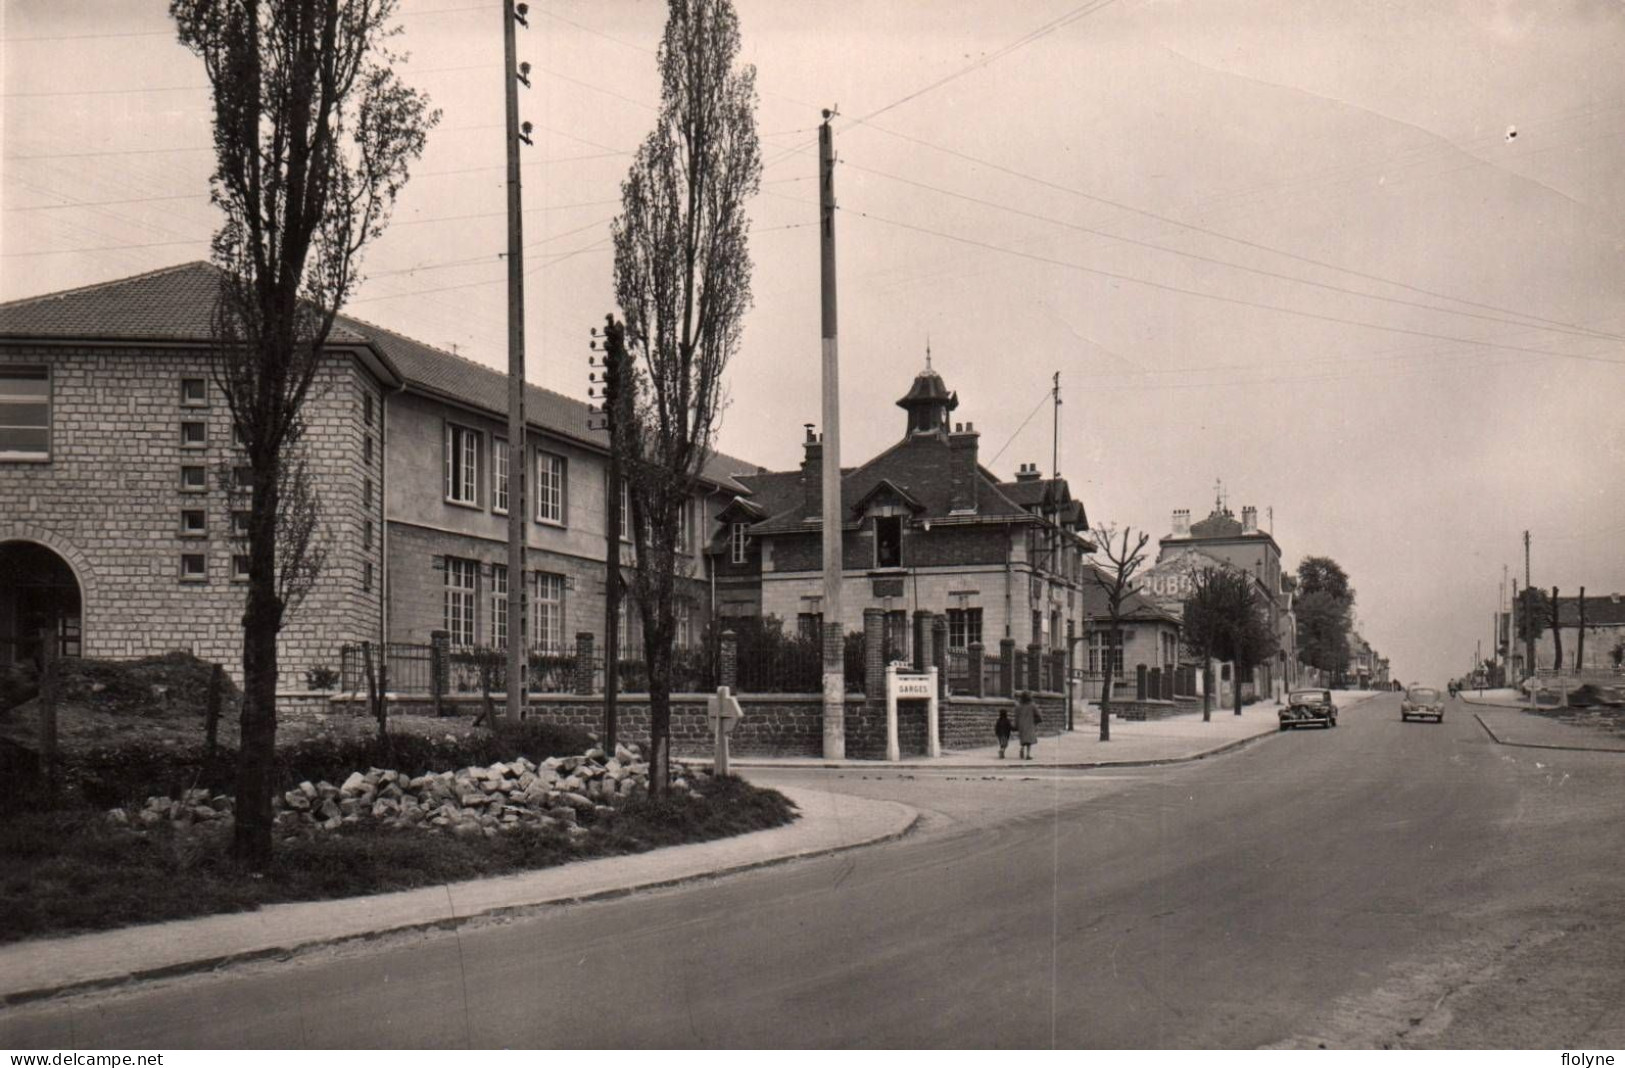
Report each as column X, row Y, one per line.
column 1407, row 884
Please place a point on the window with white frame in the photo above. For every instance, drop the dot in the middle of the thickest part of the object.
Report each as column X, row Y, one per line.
column 499, row 475
column 549, row 612
column 462, row 464
column 462, row 580
column 25, row 413
column 626, row 510
column 499, row 606
column 737, row 543
column 685, row 525
column 1102, row 648
column 964, row 627
column 550, row 475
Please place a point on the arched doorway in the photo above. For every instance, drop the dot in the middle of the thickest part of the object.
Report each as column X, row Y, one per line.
column 39, row 600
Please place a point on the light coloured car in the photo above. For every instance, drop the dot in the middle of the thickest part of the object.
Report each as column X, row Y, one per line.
column 1423, row 702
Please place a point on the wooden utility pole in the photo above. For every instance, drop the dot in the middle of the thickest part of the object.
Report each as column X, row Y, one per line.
column 615, row 362
column 834, row 659
column 512, row 75
column 1528, row 628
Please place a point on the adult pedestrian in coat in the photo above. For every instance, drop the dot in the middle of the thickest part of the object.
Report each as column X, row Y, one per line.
column 1003, row 729
column 1027, row 721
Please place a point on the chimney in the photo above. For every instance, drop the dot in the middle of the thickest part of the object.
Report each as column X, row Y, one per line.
column 962, row 468
column 812, row 475
column 1028, row 473
column 1182, row 522
column 1249, row 519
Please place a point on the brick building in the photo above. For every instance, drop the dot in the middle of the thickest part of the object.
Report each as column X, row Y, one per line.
column 116, row 526
column 926, row 529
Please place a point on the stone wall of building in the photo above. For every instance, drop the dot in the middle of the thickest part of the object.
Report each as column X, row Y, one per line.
column 110, row 502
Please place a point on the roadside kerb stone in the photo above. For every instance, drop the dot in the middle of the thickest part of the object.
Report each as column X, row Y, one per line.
column 44, row 968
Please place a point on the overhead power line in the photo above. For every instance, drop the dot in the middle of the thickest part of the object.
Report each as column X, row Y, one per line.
column 1166, row 287
column 1231, row 264
column 1194, row 228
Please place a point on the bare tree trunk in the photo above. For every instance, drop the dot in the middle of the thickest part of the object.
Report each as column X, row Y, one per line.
column 1106, row 706
column 1207, row 688
column 1580, row 637
column 1235, row 687
column 256, row 755
column 658, row 661
column 251, row 842
column 1557, row 636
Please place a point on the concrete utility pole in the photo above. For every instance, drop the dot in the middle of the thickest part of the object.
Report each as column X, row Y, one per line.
column 512, row 75
column 834, row 637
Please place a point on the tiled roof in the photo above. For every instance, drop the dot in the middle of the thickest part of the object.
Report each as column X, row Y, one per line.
column 170, row 304
column 176, row 304
column 918, row 465
column 1217, row 525
column 1032, row 492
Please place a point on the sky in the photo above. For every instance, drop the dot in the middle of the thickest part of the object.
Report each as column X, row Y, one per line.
column 1358, row 262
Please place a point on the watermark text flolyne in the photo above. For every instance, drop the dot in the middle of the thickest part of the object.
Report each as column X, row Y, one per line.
column 1586, row 1060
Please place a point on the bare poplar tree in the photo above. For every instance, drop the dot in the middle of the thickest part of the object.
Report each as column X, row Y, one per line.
column 682, row 278
column 313, row 136
column 1116, row 580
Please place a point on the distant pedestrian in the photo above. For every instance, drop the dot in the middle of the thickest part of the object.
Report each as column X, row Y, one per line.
column 1002, row 728
column 1027, row 721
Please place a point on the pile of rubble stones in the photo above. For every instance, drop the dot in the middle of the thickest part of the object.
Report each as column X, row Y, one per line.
column 574, row 792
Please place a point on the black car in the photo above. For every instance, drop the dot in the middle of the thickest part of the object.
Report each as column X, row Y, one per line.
column 1309, row 707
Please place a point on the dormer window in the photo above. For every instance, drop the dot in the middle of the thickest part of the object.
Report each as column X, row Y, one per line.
column 737, row 543
column 888, row 541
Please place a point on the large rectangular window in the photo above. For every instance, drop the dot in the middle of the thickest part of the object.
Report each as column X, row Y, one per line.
column 499, row 475
column 549, row 612
column 1102, row 649
column 499, row 605
column 25, row 413
column 964, row 627
column 550, row 475
column 462, row 579
column 462, row 464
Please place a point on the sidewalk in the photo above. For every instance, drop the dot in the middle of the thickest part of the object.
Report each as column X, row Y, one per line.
column 1173, row 740
column 1510, row 726
column 32, row 970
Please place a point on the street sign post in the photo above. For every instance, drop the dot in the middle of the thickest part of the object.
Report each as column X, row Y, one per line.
column 723, row 712
column 911, row 686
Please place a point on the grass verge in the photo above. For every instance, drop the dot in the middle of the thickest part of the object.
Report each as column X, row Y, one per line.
column 67, row 872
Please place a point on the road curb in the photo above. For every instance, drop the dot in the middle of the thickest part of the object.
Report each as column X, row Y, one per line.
column 1541, row 745
column 1091, row 765
column 216, row 962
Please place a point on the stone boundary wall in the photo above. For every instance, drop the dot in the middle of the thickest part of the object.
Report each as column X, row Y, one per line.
column 967, row 722
column 773, row 724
